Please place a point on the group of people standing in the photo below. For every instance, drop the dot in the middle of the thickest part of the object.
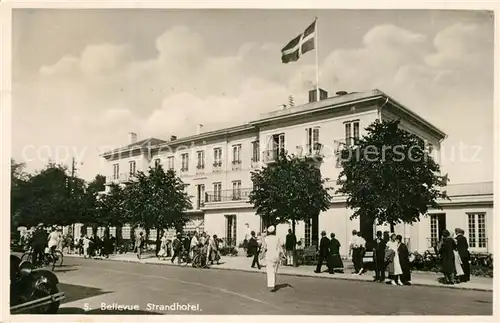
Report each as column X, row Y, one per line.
column 92, row 245
column 455, row 257
column 190, row 244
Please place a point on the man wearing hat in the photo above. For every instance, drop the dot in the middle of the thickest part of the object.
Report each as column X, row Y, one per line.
column 273, row 251
column 38, row 243
column 176, row 248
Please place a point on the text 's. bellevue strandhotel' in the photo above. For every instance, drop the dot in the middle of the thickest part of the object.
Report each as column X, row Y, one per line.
column 216, row 167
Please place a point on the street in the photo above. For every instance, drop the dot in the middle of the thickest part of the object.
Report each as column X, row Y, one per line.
column 134, row 288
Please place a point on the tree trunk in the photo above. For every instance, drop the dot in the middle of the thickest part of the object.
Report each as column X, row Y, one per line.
column 159, row 233
column 294, row 252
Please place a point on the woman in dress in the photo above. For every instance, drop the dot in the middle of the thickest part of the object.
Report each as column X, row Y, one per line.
column 404, row 261
column 336, row 260
column 162, row 253
column 86, row 247
column 463, row 251
column 273, row 256
column 392, row 257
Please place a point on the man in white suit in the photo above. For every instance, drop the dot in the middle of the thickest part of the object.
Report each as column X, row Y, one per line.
column 273, row 255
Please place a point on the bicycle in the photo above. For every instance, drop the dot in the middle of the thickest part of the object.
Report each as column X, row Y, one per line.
column 200, row 259
column 51, row 258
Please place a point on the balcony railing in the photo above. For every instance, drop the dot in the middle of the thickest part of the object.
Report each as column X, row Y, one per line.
column 236, row 165
column 121, row 178
column 310, row 151
column 272, row 155
column 228, row 195
column 217, row 166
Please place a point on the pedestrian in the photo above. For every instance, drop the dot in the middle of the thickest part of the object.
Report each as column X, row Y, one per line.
column 162, row 253
column 324, row 253
column 394, row 268
column 273, row 257
column 335, row 259
column 176, row 248
column 246, row 238
column 379, row 257
column 290, row 243
column 194, row 245
column 463, row 252
column 139, row 244
column 446, row 251
column 38, row 244
column 353, row 250
column 53, row 240
column 86, row 247
column 459, row 272
column 361, row 243
column 253, row 250
column 404, row 261
column 215, row 250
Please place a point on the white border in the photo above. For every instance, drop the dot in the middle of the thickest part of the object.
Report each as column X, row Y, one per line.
column 5, row 131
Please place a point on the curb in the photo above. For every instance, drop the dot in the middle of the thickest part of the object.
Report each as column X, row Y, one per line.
column 145, row 261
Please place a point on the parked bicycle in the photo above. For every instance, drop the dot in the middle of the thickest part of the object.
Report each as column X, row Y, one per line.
column 53, row 259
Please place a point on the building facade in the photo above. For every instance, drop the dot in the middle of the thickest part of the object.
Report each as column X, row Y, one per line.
column 216, row 167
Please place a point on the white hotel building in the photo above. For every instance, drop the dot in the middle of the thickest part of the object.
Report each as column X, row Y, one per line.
column 216, row 167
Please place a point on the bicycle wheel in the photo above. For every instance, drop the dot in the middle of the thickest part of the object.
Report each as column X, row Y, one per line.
column 58, row 258
column 26, row 256
column 196, row 261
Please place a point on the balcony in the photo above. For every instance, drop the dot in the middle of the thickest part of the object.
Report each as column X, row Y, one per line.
column 236, row 165
column 314, row 151
column 228, row 195
column 122, row 178
column 217, row 166
column 271, row 156
column 254, row 163
column 200, row 169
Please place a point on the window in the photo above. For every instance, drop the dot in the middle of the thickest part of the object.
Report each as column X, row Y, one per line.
column 217, row 158
column 170, row 163
column 277, row 147
column 217, row 191
column 308, row 233
column 184, row 162
column 116, row 171
column 236, row 190
column 231, row 230
column 312, row 140
column 236, row 157
column 434, row 230
column 131, row 165
column 351, row 132
column 201, row 160
column 157, row 162
column 201, row 196
column 477, row 230
column 255, row 151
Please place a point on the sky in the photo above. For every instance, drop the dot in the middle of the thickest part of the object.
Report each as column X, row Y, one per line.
column 83, row 79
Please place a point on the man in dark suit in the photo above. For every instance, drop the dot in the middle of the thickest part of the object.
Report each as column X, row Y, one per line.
column 324, row 253
column 463, row 251
column 378, row 257
column 39, row 243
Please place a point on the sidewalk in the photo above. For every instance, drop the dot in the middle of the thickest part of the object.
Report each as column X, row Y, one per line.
column 243, row 264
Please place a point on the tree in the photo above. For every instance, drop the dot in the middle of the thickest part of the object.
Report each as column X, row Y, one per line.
column 290, row 190
column 157, row 199
column 44, row 197
column 18, row 181
column 389, row 177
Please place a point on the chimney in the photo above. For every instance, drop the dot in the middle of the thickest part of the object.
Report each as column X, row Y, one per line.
column 313, row 95
column 340, row 93
column 199, row 128
column 172, row 138
column 132, row 137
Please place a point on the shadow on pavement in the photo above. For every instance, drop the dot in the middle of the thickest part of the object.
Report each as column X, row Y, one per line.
column 281, row 286
column 77, row 310
column 77, row 292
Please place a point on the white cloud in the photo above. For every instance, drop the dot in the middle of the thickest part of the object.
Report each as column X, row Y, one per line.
column 112, row 93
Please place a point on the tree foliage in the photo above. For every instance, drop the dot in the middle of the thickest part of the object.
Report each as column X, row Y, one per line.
column 157, row 199
column 290, row 190
column 45, row 196
column 389, row 176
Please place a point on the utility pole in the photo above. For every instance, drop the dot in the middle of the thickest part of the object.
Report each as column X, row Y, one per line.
column 72, row 179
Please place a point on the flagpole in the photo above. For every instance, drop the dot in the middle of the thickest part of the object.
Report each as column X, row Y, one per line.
column 316, row 37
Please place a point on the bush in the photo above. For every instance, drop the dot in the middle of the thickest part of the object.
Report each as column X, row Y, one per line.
column 481, row 263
